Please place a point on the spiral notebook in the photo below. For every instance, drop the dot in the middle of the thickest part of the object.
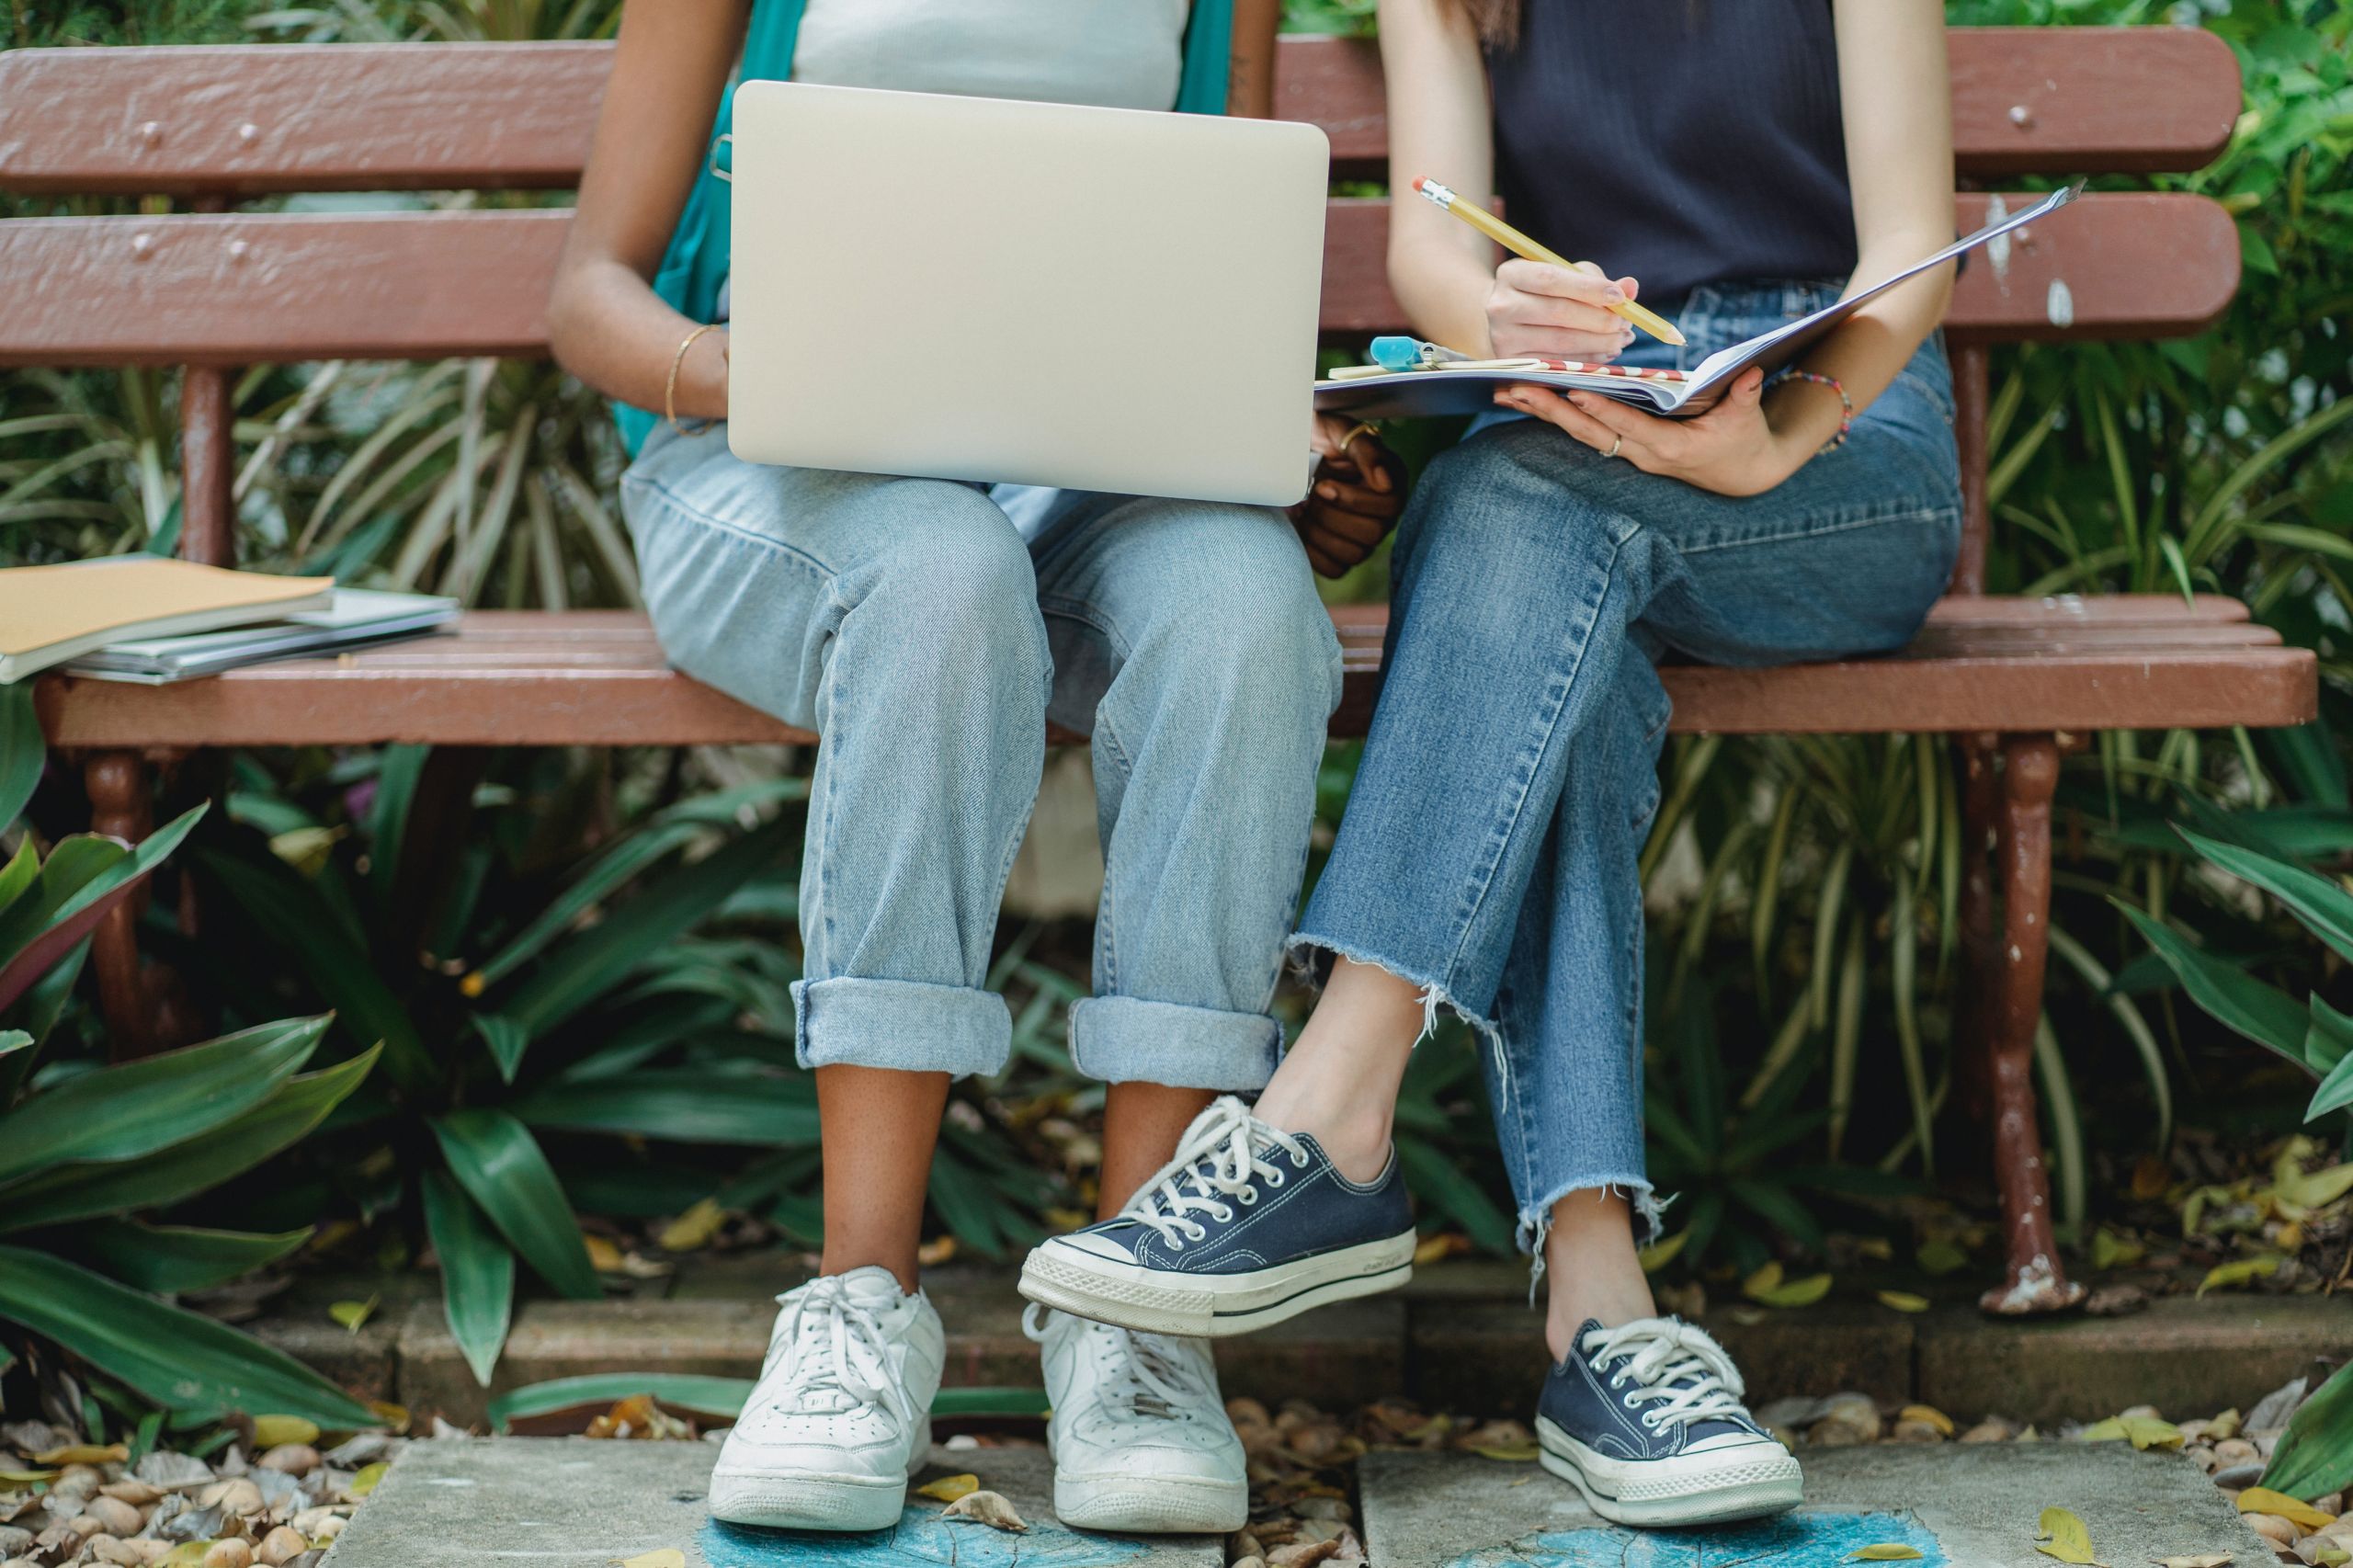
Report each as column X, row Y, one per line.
column 1467, row 386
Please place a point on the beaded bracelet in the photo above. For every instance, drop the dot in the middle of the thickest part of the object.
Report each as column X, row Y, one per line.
column 1845, row 403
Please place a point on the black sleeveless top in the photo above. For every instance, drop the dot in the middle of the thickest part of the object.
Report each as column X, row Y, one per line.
column 1684, row 142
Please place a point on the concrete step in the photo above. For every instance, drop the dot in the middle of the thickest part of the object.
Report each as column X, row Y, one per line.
column 1959, row 1508
column 569, row 1503
column 1461, row 1337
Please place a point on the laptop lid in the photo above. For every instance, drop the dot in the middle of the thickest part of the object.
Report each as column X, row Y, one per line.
column 977, row 288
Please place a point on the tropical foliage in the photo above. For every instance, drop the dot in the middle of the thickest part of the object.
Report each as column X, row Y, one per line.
column 576, row 967
column 93, row 1158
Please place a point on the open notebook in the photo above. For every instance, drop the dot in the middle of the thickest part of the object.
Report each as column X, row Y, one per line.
column 1467, row 386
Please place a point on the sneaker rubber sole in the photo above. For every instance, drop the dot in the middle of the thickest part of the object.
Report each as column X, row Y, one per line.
column 1751, row 1482
column 1158, row 1504
column 806, row 1500
column 1211, row 1306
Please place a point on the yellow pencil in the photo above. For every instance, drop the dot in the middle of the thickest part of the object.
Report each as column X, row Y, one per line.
column 1520, row 246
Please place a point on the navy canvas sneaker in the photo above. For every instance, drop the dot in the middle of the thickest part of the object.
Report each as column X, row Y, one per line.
column 1646, row 1420
column 1247, row 1226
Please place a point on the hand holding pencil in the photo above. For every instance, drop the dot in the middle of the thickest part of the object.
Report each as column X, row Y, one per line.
column 1519, row 244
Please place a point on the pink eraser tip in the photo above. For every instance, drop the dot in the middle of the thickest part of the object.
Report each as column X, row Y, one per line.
column 1420, row 180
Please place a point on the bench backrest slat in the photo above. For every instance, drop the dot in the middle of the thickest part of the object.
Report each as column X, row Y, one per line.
column 253, row 288
column 245, row 119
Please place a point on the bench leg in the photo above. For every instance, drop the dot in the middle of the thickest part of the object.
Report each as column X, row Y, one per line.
column 145, row 1007
column 2009, row 1013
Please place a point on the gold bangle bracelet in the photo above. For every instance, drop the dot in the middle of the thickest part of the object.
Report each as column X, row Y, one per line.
column 670, row 389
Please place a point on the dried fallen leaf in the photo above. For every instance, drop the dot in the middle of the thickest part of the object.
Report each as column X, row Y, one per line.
column 2280, row 1505
column 364, row 1482
column 1904, row 1301
column 269, row 1431
column 1796, row 1293
column 2143, row 1431
column 2226, row 1425
column 947, row 1488
column 2244, row 1271
column 1883, row 1551
column 936, row 1251
column 1515, row 1453
column 988, row 1508
column 1929, row 1413
column 2201, row 1560
column 669, row 1557
column 603, row 1256
column 693, row 1230
column 1942, row 1258
column 1766, row 1278
column 25, row 1477
column 85, row 1453
column 2317, row 1189
column 2065, row 1537
column 1438, row 1248
column 1658, row 1255
column 353, row 1315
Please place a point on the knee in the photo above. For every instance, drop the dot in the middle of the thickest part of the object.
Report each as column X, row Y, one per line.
column 1253, row 623
column 954, row 579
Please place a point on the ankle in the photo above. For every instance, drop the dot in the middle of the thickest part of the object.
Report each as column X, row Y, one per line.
column 1355, row 1139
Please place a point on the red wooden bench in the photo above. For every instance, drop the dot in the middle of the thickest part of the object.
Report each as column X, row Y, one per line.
column 215, row 289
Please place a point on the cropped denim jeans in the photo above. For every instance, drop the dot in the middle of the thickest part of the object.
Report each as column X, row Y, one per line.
column 910, row 623
column 1489, row 851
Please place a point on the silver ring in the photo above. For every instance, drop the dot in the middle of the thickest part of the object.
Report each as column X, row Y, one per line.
column 1614, row 445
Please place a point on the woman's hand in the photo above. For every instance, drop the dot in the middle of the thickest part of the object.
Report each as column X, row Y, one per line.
column 1738, row 448
column 1554, row 312
column 1359, row 491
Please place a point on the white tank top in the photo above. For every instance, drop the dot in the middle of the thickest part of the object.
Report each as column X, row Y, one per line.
column 1114, row 53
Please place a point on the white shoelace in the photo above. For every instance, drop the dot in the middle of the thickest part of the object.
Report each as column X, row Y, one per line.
column 1700, row 1381
column 1159, row 1381
column 1223, row 1152
column 846, row 1351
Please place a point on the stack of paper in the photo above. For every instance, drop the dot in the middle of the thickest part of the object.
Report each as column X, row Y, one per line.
column 354, row 618
column 149, row 618
column 51, row 614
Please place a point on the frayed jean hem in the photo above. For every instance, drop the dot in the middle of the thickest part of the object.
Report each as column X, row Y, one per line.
column 1536, row 1218
column 1304, row 951
column 906, row 1025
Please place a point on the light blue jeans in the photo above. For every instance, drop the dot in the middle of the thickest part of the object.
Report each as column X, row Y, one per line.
column 911, row 624
column 1489, row 850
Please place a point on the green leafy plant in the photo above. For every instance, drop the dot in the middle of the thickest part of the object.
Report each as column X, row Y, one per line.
column 92, row 1156
column 591, row 1014
column 2312, row 1034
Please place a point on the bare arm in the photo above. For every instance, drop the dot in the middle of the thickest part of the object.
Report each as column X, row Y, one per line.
column 605, row 321
column 1444, row 271
column 1896, row 98
column 1250, row 81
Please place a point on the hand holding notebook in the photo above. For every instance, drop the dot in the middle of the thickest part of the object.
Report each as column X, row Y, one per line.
column 1435, row 385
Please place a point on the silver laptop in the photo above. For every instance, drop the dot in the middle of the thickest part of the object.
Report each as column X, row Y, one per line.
column 973, row 288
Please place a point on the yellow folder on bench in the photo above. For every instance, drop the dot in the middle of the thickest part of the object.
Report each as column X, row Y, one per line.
column 51, row 614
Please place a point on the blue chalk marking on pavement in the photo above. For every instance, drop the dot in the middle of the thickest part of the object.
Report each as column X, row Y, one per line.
column 920, row 1536
column 1802, row 1539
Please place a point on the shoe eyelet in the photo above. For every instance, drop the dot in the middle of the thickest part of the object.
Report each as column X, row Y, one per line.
column 1249, row 1196
column 1274, row 1178
column 1298, row 1161
column 1195, row 1233
column 1225, row 1216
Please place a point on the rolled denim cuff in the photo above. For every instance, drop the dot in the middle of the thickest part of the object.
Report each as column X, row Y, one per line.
column 907, row 1025
column 1122, row 1040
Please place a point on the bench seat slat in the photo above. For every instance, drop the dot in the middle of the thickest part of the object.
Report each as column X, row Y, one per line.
column 248, row 121
column 241, row 288
column 599, row 678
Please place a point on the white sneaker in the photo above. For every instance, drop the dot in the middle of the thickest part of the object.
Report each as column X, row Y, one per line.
column 1139, row 1435
column 842, row 1413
